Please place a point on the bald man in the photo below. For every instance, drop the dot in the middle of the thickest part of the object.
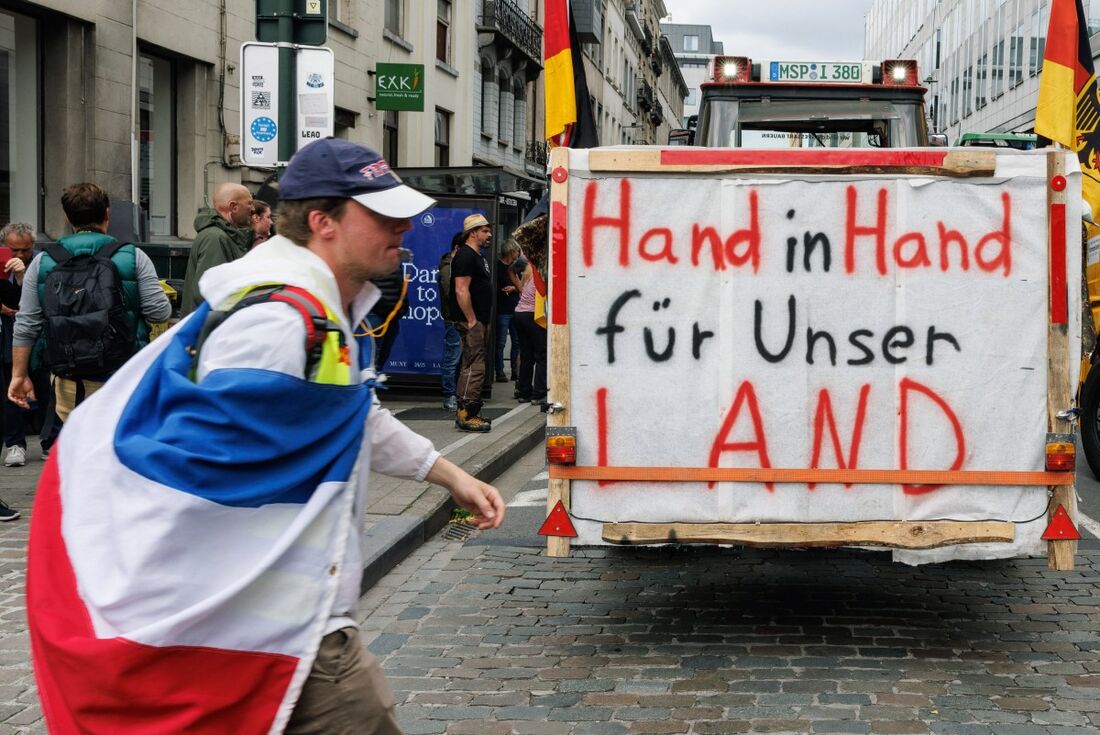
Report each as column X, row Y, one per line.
column 224, row 234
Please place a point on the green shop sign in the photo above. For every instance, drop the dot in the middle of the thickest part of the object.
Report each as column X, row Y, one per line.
column 400, row 87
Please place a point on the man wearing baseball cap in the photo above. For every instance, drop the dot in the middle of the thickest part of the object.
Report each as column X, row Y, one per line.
column 472, row 292
column 234, row 452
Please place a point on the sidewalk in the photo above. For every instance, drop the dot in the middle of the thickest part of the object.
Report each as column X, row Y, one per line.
column 401, row 515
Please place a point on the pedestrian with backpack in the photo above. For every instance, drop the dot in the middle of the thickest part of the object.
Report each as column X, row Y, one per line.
column 90, row 298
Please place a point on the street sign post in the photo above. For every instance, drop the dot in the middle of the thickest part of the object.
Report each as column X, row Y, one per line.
column 265, row 135
column 305, row 22
column 260, row 129
column 287, row 26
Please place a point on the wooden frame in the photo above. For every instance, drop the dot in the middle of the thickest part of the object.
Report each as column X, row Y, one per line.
column 558, row 374
column 1060, row 554
column 895, row 534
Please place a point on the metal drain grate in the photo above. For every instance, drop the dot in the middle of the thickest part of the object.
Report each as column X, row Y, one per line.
column 459, row 531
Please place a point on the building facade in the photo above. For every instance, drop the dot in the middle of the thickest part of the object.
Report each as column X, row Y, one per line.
column 980, row 59
column 637, row 92
column 143, row 97
column 693, row 47
column 507, row 113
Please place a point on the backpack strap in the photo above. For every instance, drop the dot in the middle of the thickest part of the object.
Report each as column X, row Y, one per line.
column 58, row 252
column 312, row 311
column 107, row 251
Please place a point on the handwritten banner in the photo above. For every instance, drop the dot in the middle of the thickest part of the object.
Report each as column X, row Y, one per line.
column 841, row 322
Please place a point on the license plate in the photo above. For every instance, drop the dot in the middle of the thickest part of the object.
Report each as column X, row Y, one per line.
column 830, row 72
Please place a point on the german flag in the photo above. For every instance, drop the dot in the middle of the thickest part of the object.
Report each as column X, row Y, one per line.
column 569, row 118
column 1068, row 110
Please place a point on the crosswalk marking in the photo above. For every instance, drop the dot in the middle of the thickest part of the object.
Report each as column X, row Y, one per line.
column 529, row 499
column 1088, row 524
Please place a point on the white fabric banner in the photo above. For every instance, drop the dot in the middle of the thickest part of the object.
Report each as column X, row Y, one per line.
column 870, row 322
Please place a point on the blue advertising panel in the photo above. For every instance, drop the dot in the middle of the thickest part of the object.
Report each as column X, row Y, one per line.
column 418, row 348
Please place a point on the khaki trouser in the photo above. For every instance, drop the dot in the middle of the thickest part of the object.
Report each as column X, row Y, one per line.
column 346, row 692
column 471, row 377
column 65, row 395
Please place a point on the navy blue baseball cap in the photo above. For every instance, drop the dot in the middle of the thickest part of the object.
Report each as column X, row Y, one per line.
column 331, row 167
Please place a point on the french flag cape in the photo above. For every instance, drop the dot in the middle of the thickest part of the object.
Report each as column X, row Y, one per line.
column 185, row 545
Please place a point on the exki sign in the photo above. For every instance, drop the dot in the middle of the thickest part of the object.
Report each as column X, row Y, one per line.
column 400, row 87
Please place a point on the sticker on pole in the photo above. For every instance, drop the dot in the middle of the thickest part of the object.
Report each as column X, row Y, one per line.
column 263, row 129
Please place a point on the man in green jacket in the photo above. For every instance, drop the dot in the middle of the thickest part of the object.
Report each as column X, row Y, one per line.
column 224, row 234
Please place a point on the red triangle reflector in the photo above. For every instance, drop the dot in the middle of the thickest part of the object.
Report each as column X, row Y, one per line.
column 558, row 523
column 1061, row 528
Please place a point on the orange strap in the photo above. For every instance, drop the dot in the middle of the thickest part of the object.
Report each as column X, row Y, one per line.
column 760, row 474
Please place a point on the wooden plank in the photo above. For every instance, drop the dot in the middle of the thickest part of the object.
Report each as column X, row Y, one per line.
column 893, row 534
column 557, row 373
column 809, row 161
column 1060, row 554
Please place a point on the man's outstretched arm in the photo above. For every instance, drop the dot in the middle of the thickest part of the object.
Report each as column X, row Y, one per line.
column 480, row 498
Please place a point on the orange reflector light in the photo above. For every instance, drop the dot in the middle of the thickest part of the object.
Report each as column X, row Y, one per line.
column 561, row 449
column 1061, row 456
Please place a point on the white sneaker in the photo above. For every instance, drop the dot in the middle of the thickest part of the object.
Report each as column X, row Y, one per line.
column 16, row 457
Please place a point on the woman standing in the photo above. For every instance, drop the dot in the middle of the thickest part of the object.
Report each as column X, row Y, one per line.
column 532, row 345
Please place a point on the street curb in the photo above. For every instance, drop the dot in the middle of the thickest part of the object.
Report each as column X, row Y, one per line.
column 391, row 540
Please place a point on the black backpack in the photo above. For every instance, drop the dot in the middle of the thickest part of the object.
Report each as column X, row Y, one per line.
column 89, row 333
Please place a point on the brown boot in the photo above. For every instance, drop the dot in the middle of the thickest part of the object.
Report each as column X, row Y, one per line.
column 465, row 422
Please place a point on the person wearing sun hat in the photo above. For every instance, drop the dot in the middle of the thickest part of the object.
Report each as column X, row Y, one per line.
column 234, row 457
column 472, row 294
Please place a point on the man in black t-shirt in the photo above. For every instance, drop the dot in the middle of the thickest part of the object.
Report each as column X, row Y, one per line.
column 472, row 291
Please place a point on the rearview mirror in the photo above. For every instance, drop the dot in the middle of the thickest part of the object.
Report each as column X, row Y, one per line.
column 937, row 140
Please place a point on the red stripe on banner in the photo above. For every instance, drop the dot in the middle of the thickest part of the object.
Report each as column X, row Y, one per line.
column 1059, row 310
column 721, row 157
column 89, row 684
column 558, row 260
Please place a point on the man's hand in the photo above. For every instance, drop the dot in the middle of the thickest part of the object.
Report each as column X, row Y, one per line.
column 8, row 311
column 471, row 323
column 15, row 265
column 21, row 391
column 470, row 493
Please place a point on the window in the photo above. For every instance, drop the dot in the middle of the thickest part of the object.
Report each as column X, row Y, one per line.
column 504, row 110
column 691, row 43
column 390, row 137
column 692, row 98
column 443, row 31
column 1016, row 57
column 1033, row 58
column 519, row 113
column 395, row 16
column 340, row 11
column 488, row 101
column 156, row 103
column 442, row 137
column 982, row 66
column 19, row 135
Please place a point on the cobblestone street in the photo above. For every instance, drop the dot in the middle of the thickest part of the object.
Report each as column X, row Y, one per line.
column 481, row 640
